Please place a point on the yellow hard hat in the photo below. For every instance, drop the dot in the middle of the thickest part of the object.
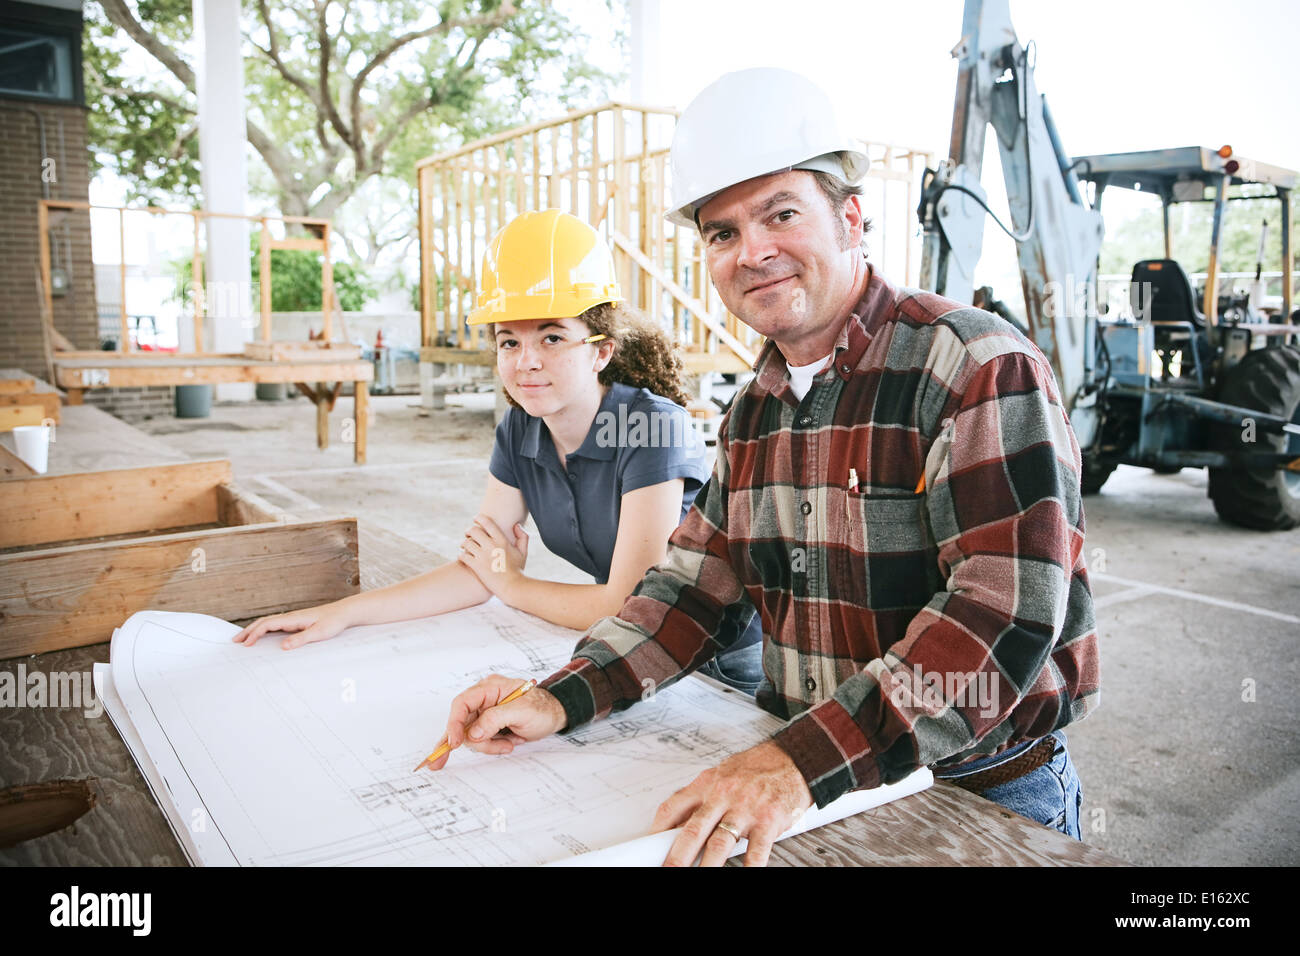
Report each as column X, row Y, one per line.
column 544, row 265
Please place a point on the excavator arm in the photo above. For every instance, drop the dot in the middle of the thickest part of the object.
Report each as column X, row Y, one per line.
column 1057, row 233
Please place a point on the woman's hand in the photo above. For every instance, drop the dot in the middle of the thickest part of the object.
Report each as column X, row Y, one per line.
column 306, row 626
column 497, row 560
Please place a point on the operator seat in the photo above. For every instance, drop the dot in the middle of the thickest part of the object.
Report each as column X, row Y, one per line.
column 1171, row 296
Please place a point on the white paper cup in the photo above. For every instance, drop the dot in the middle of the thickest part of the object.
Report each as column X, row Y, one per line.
column 32, row 444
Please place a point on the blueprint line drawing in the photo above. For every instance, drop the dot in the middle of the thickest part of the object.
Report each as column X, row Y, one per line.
column 261, row 757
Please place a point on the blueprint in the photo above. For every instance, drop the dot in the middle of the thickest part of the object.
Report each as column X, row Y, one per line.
column 265, row 757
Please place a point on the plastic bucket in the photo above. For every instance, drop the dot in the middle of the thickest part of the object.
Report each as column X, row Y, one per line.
column 271, row 391
column 193, row 401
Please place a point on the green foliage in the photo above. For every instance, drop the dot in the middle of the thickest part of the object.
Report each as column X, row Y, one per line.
column 1142, row 237
column 495, row 64
column 295, row 280
column 142, row 138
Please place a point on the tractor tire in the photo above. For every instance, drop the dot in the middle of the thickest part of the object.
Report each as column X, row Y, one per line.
column 1264, row 499
column 1095, row 473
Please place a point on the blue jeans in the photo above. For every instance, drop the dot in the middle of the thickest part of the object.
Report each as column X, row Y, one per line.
column 1052, row 795
column 738, row 667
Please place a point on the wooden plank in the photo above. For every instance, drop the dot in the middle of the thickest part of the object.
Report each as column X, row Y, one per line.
column 14, row 381
column 126, row 827
column 456, row 356
column 239, row 506
column 425, row 227
column 49, row 508
column 12, row 416
column 82, row 375
column 388, row 558
column 314, row 350
column 42, row 395
column 942, row 826
column 264, row 279
column 322, row 417
column 299, row 244
column 11, row 466
column 67, row 597
column 361, row 410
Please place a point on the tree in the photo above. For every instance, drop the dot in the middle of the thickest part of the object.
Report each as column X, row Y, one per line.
column 337, row 91
column 1141, row 236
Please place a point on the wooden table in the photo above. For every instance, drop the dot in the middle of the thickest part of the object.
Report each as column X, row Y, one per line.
column 319, row 379
column 944, row 826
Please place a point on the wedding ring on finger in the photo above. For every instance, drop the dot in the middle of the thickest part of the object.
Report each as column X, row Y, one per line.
column 723, row 825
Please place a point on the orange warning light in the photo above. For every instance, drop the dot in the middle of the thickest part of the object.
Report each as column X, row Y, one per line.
column 1225, row 151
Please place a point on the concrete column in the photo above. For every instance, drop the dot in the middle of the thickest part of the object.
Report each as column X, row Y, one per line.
column 223, row 143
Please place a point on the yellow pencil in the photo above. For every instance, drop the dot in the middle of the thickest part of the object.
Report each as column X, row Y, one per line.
column 444, row 747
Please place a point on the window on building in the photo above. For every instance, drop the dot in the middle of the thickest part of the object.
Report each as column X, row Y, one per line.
column 36, row 65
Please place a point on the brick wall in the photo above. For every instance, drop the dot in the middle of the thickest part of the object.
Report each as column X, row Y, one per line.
column 134, row 404
column 22, row 162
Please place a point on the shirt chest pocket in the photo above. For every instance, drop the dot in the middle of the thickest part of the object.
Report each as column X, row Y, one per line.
column 886, row 558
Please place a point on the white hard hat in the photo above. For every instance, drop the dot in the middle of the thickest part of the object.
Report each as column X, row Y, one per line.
column 752, row 123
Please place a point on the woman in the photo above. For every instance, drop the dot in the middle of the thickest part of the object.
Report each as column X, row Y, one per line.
column 597, row 447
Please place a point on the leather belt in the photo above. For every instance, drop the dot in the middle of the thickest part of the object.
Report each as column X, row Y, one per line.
column 1036, row 756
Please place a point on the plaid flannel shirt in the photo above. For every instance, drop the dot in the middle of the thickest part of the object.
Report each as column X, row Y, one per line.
column 901, row 629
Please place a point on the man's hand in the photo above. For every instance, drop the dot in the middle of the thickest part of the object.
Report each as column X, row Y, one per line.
column 477, row 721
column 497, row 560
column 758, row 793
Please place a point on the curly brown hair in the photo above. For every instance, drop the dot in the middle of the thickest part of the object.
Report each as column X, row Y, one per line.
column 644, row 355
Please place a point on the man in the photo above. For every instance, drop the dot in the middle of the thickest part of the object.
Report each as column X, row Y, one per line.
column 897, row 491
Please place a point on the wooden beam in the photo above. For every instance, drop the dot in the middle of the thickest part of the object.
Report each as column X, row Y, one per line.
column 57, row 598
column 314, row 350
column 264, row 280
column 322, row 417
column 445, row 355
column 12, row 416
column 298, row 243
column 141, row 372
column 40, row 394
column 50, row 508
column 239, row 506
column 14, row 381
column 11, row 466
column 361, row 410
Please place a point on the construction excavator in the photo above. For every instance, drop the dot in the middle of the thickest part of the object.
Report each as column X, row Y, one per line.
column 1181, row 378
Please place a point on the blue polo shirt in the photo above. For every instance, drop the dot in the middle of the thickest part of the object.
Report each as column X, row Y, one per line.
column 637, row 439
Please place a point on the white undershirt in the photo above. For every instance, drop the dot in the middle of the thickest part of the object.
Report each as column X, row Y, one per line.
column 801, row 376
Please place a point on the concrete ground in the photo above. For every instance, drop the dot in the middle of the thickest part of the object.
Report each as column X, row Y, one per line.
column 1191, row 759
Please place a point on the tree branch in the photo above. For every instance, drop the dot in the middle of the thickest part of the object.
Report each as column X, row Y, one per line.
column 491, row 21
column 125, row 92
column 120, row 15
column 351, row 137
column 272, row 53
column 183, row 137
